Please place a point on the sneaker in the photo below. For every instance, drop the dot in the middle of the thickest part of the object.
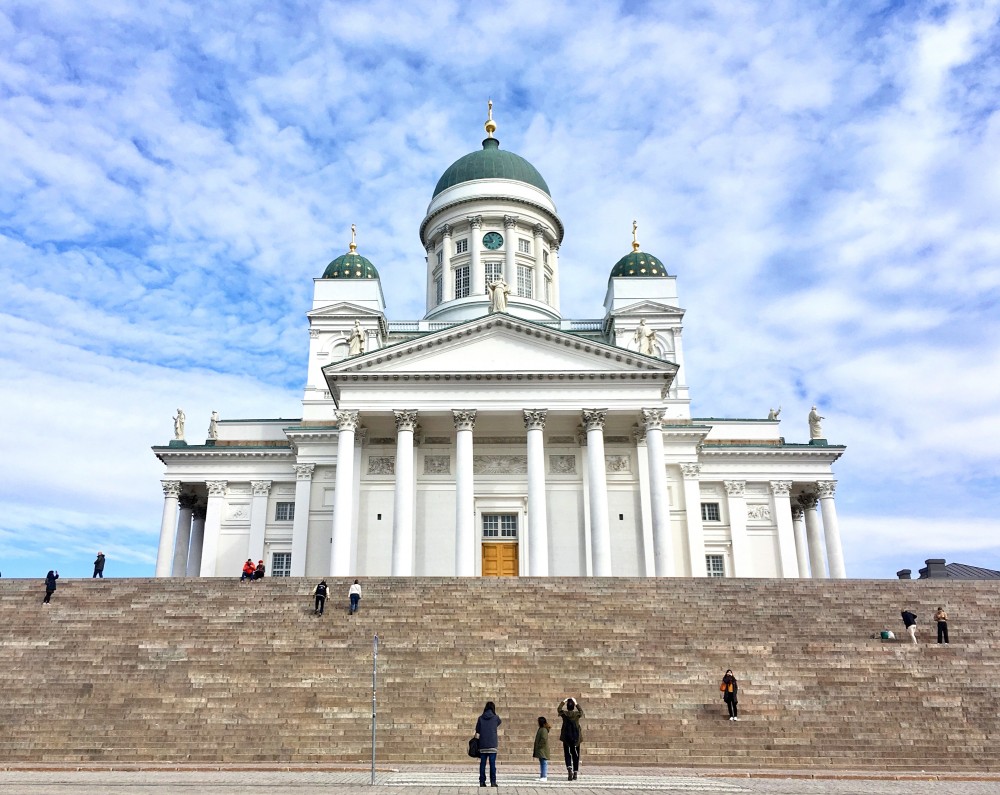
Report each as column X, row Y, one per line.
column 542, row 779
column 735, row 718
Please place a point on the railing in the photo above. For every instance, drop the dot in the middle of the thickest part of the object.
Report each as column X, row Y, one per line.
column 427, row 326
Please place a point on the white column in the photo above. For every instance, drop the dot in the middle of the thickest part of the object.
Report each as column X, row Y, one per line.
column 431, row 288
column 737, row 507
column 446, row 256
column 600, row 530
column 343, row 506
column 831, row 529
column 510, row 249
column 403, row 495
column 781, row 489
column 642, row 459
column 538, row 526
column 477, row 273
column 554, row 266
column 465, row 503
column 300, row 519
column 659, row 496
column 258, row 517
column 801, row 549
column 213, row 526
column 538, row 230
column 814, row 535
column 183, row 542
column 692, row 511
column 168, row 526
column 197, row 541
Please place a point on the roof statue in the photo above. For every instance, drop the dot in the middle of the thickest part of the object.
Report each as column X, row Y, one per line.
column 773, row 414
column 179, row 425
column 646, row 338
column 356, row 342
column 213, row 426
column 815, row 424
column 498, row 290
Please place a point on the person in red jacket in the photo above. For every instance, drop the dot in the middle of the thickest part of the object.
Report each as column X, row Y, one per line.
column 248, row 570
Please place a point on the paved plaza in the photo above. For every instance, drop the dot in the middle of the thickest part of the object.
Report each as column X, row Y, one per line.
column 161, row 781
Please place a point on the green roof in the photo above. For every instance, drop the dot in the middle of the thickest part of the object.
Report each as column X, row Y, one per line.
column 491, row 162
column 638, row 263
column 350, row 266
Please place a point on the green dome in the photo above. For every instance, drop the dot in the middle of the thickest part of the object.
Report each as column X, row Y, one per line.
column 350, row 266
column 490, row 162
column 638, row 263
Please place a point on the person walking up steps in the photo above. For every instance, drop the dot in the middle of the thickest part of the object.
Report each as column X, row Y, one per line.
column 355, row 594
column 942, row 624
column 99, row 566
column 320, row 594
column 570, row 735
column 50, row 585
column 541, row 748
column 910, row 622
column 730, row 689
column 486, row 733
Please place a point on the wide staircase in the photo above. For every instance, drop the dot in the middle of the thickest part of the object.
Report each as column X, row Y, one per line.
column 211, row 670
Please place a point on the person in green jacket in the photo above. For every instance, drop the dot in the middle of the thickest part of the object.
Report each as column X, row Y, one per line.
column 570, row 711
column 541, row 749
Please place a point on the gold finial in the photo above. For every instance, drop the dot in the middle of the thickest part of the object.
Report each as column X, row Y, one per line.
column 635, row 242
column 354, row 246
column 491, row 126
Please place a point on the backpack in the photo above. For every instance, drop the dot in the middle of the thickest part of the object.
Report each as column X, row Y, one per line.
column 474, row 747
column 321, row 590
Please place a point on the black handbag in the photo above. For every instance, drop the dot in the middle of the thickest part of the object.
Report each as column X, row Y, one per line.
column 474, row 747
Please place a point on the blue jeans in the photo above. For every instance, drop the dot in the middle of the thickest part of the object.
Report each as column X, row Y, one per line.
column 543, row 768
column 354, row 602
column 482, row 768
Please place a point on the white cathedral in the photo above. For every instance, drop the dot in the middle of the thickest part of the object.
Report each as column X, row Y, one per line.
column 493, row 437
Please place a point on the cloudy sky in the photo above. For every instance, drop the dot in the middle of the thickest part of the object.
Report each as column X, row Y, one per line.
column 824, row 179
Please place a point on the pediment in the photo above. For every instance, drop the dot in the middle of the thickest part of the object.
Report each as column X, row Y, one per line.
column 649, row 308
column 500, row 344
column 343, row 309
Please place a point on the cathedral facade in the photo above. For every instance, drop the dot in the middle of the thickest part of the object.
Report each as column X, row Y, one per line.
column 493, row 436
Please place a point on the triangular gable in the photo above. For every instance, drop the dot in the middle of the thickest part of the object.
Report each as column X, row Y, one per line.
column 343, row 309
column 649, row 308
column 500, row 344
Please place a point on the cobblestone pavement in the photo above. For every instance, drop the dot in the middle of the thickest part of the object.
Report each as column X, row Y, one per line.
column 95, row 781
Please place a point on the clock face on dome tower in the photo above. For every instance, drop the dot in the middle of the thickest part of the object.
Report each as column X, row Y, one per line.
column 492, row 240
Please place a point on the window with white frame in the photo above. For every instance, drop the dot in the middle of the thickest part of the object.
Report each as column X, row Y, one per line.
column 494, row 270
column 710, row 512
column 545, row 257
column 462, row 281
column 284, row 511
column 281, row 564
column 462, row 246
column 440, row 257
column 499, row 525
column 524, row 246
column 438, row 289
column 524, row 274
column 715, row 565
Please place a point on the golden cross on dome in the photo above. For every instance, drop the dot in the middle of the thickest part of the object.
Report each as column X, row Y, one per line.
column 354, row 231
column 491, row 126
column 635, row 242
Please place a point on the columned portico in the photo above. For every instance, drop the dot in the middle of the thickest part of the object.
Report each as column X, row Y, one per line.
column 831, row 529
column 781, row 491
column 183, row 542
column 538, row 532
column 692, row 512
column 168, row 526
column 600, row 530
column 300, row 522
column 403, row 496
column 737, row 504
column 659, row 497
column 801, row 547
column 814, row 536
column 343, row 507
column 197, row 541
column 260, row 489
column 213, row 526
column 465, row 490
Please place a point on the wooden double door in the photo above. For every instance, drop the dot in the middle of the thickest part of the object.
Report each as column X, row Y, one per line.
column 500, row 560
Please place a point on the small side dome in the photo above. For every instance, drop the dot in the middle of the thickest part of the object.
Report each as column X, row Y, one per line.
column 638, row 263
column 351, row 265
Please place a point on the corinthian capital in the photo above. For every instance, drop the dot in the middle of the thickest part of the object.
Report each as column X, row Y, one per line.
column 188, row 501
column 594, row 419
column 465, row 419
column 509, row 221
column 691, row 470
column 406, row 419
column 808, row 501
column 304, row 471
column 475, row 221
column 781, row 488
column 348, row 420
column 735, row 488
column 171, row 488
column 217, row 488
column 798, row 513
column 261, row 488
column 534, row 419
column 652, row 419
column 826, row 488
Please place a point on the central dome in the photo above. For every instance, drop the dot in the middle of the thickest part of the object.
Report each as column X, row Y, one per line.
column 490, row 162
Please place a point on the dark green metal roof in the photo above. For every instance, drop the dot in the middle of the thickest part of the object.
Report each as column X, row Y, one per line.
column 350, row 266
column 491, row 162
column 638, row 263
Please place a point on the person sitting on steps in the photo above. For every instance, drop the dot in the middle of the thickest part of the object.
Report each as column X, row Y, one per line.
column 248, row 570
column 258, row 573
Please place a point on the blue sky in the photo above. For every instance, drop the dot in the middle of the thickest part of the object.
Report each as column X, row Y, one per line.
column 824, row 179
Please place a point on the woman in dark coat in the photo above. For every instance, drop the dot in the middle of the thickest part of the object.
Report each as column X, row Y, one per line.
column 570, row 735
column 486, row 733
column 730, row 688
column 50, row 585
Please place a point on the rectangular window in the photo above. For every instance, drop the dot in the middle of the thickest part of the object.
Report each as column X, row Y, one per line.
column 715, row 565
column 545, row 257
column 440, row 256
column 281, row 564
column 710, row 512
column 438, row 289
column 494, row 270
column 284, row 511
column 524, row 274
column 462, row 282
column 524, row 246
column 548, row 290
column 461, row 246
column 500, row 525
